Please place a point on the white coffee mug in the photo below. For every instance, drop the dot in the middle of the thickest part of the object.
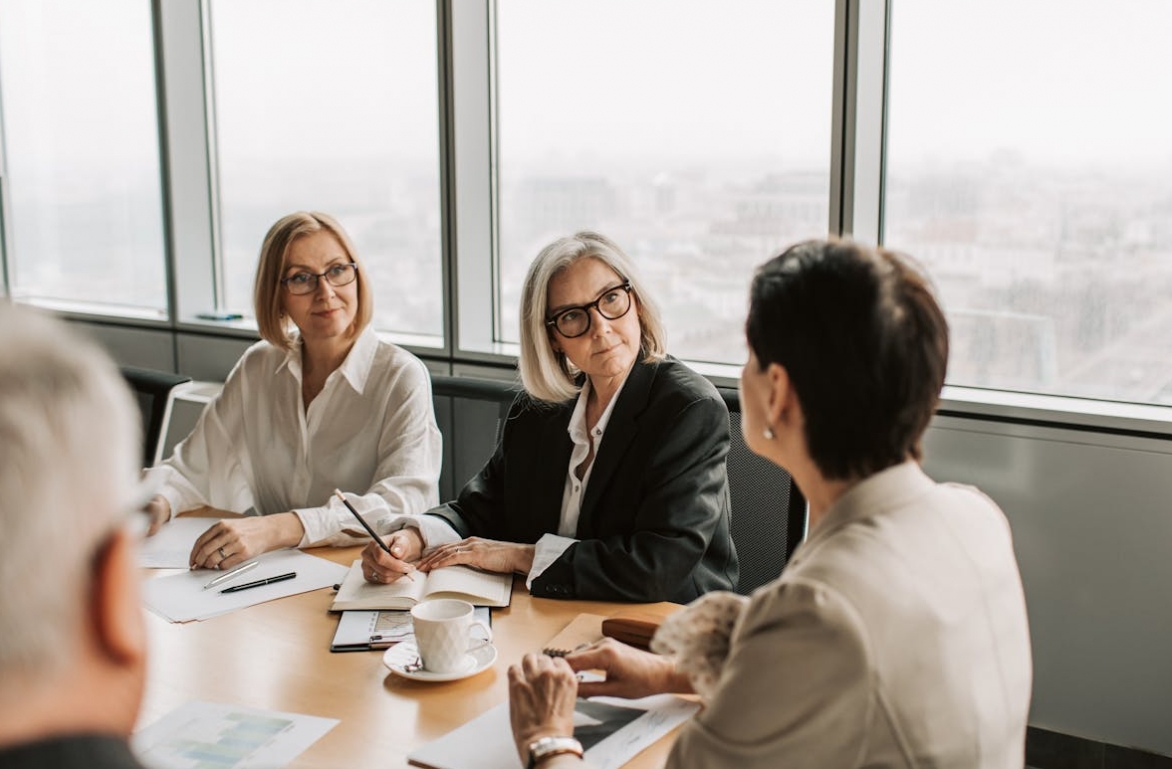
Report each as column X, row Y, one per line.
column 442, row 633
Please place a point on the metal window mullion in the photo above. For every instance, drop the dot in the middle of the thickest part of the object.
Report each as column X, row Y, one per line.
column 472, row 212
column 212, row 153
column 443, row 30
column 860, row 83
column 5, row 210
column 190, row 190
column 164, row 164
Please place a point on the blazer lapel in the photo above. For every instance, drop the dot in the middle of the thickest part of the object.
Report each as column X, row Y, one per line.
column 552, row 449
column 620, row 431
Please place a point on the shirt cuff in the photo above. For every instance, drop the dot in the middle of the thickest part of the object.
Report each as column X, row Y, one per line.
column 174, row 488
column 549, row 548
column 434, row 529
column 332, row 524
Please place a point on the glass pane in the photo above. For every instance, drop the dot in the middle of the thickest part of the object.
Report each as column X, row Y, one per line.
column 1029, row 166
column 77, row 88
column 332, row 106
column 695, row 134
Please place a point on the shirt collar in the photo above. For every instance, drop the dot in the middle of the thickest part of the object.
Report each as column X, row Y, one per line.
column 577, row 426
column 355, row 368
column 885, row 490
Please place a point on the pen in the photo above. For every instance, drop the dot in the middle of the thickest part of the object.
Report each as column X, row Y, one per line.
column 259, row 582
column 369, row 530
column 232, row 574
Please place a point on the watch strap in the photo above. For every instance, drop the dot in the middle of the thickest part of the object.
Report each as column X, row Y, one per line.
column 547, row 747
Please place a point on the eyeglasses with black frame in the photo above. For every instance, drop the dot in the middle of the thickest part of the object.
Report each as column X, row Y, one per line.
column 306, row 282
column 612, row 304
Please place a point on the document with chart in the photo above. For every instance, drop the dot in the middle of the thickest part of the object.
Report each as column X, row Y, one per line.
column 207, row 734
column 612, row 730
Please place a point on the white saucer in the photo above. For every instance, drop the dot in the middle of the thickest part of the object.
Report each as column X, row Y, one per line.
column 405, row 655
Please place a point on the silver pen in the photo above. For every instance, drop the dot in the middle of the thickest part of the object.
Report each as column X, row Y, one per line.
column 231, row 574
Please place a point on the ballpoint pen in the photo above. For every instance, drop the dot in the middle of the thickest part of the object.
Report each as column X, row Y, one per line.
column 232, row 574
column 259, row 582
column 369, row 530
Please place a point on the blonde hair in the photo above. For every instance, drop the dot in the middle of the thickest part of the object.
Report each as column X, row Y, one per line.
column 69, row 448
column 546, row 374
column 268, row 292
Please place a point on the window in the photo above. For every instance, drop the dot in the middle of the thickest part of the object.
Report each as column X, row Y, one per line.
column 84, row 217
column 1029, row 167
column 694, row 134
column 332, row 106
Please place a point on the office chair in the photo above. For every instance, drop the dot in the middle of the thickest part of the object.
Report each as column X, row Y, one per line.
column 155, row 391
column 468, row 404
column 768, row 511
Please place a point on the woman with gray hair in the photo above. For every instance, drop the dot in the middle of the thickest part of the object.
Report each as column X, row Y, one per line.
column 609, row 480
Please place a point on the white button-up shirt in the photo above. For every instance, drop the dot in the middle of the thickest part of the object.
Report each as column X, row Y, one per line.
column 436, row 531
column 371, row 432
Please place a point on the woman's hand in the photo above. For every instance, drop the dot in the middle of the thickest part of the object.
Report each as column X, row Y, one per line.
column 159, row 512
column 229, row 543
column 486, row 554
column 542, row 691
column 630, row 673
column 405, row 544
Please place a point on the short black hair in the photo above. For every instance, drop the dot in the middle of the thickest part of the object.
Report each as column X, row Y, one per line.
column 865, row 345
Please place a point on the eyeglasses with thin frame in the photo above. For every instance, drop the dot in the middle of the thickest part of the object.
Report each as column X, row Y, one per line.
column 612, row 304
column 306, row 282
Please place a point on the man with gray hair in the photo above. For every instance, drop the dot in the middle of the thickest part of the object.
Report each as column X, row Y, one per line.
column 72, row 640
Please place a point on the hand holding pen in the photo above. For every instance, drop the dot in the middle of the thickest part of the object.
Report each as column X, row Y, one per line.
column 377, row 568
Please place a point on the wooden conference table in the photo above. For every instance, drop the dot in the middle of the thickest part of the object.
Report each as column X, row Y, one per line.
column 276, row 656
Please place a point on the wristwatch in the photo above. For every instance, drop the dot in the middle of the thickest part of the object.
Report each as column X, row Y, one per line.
column 547, row 747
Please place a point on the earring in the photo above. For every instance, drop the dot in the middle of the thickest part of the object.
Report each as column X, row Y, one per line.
column 768, row 433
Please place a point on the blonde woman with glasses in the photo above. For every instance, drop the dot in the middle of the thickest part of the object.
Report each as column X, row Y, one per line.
column 609, row 480
column 321, row 403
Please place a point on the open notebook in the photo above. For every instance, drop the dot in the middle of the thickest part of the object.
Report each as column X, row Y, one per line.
column 481, row 588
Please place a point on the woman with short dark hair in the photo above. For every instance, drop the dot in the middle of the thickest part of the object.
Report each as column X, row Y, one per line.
column 897, row 635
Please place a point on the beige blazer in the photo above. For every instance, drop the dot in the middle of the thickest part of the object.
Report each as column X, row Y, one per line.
column 896, row 637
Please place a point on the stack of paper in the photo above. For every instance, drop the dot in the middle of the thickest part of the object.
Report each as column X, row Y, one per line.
column 182, row 597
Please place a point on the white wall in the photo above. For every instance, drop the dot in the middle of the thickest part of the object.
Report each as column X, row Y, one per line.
column 1092, row 526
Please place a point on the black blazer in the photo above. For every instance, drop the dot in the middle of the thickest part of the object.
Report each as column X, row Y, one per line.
column 654, row 524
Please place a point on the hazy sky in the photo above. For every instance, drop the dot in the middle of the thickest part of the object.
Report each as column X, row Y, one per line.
column 683, row 78
column 77, row 81
column 1054, row 79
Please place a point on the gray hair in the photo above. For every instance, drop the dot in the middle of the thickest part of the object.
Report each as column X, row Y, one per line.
column 69, row 435
column 546, row 374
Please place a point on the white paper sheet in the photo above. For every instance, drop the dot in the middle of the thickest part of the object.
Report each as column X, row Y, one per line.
column 203, row 734
column 612, row 730
column 182, row 598
column 171, row 547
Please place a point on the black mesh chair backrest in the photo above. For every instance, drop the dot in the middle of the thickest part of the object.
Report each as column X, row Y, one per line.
column 153, row 390
column 768, row 511
column 464, row 408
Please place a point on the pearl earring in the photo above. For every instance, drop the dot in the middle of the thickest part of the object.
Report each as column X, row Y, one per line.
column 768, row 433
